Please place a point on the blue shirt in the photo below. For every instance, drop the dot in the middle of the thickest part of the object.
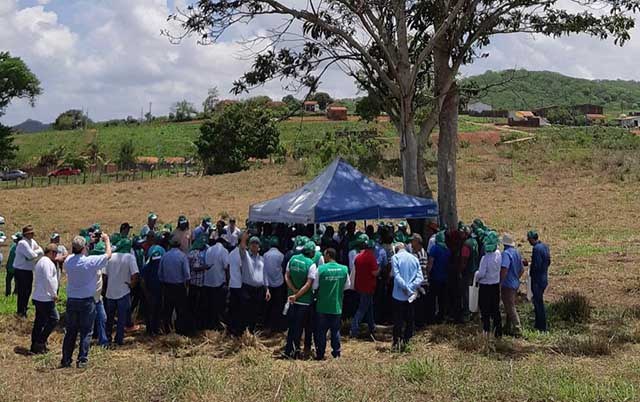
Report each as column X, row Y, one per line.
column 381, row 256
column 440, row 267
column 540, row 261
column 512, row 261
column 407, row 275
column 82, row 274
column 174, row 267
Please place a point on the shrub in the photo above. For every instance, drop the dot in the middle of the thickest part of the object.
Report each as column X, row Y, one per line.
column 583, row 346
column 234, row 135
column 572, row 307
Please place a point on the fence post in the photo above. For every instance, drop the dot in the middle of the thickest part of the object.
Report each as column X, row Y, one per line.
column 84, row 177
column 58, row 180
column 31, row 181
column 49, row 181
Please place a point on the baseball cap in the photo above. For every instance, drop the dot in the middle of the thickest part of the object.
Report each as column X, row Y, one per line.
column 54, row 236
column 2, row 221
column 182, row 219
column 152, row 216
column 17, row 236
column 309, row 247
column 254, row 239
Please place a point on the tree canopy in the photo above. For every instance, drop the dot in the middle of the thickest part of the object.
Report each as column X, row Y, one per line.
column 16, row 81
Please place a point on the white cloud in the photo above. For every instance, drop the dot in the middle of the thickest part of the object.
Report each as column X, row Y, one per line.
column 109, row 56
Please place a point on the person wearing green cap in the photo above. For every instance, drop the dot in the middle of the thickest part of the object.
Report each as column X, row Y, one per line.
column 255, row 284
column 438, row 268
column 16, row 237
column 488, row 277
column 197, row 297
column 366, row 272
column 273, row 259
column 299, row 276
column 538, row 275
column 401, row 235
column 330, row 283
column 121, row 275
column 470, row 258
column 152, row 220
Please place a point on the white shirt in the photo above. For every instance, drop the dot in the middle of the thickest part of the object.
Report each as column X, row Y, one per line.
column 83, row 274
column 253, row 269
column 273, row 267
column 217, row 258
column 27, row 251
column 489, row 271
column 119, row 271
column 45, row 277
column 431, row 243
column 235, row 269
column 352, row 257
column 232, row 235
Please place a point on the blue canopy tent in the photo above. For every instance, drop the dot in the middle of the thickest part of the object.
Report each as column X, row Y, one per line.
column 342, row 193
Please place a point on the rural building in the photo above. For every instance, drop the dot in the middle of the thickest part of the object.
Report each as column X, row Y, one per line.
column 478, row 108
column 576, row 110
column 276, row 105
column 595, row 119
column 311, row 106
column 524, row 118
column 629, row 122
column 220, row 106
column 337, row 113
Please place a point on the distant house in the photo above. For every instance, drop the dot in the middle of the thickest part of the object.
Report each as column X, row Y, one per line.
column 595, row 119
column 311, row 106
column 220, row 106
column 576, row 110
column 337, row 113
column 478, row 108
column 630, row 122
column 524, row 118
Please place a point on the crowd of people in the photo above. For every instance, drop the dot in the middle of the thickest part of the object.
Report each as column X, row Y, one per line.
column 305, row 279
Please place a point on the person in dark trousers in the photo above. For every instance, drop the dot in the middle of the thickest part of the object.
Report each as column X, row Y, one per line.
column 489, row 280
column 27, row 252
column 366, row 273
column 152, row 290
column 300, row 274
column 82, row 282
column 255, row 284
column 273, row 260
column 329, row 284
column 538, row 275
column 422, row 302
column 217, row 259
column 438, row 268
column 407, row 278
column 174, row 275
column 10, row 270
column 45, row 296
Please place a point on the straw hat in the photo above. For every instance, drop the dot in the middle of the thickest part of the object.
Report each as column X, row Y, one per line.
column 507, row 240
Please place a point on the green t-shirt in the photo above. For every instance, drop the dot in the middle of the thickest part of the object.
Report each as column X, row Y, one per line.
column 331, row 279
column 299, row 266
column 474, row 259
column 11, row 258
column 316, row 258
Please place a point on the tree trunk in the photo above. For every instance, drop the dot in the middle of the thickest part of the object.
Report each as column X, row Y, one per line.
column 447, row 155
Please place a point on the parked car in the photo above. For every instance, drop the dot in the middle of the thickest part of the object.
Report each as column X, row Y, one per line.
column 65, row 171
column 13, row 175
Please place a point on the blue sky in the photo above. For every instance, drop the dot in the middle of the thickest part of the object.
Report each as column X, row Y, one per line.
column 107, row 56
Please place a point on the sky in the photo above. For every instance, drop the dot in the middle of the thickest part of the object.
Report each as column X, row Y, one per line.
column 107, row 57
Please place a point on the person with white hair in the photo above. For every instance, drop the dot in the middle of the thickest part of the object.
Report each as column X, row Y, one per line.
column 82, row 281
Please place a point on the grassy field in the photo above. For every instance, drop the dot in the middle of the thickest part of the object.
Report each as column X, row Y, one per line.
column 176, row 139
column 558, row 183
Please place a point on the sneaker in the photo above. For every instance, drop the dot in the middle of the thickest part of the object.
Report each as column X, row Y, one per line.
column 81, row 365
column 64, row 365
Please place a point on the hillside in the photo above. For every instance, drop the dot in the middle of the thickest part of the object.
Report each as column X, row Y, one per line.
column 31, row 126
column 522, row 89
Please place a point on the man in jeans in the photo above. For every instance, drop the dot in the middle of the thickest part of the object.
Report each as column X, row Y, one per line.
column 330, row 283
column 366, row 272
column 121, row 274
column 44, row 298
column 407, row 278
column 27, row 252
column 82, row 277
column 538, row 275
column 510, row 274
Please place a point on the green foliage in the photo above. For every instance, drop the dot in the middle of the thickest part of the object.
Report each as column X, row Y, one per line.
column 52, row 158
column 16, row 81
column 323, row 99
column 71, row 120
column 368, row 108
column 127, row 155
column 183, row 111
column 234, row 135
column 7, row 147
column 522, row 89
column 572, row 307
column 292, row 102
column 75, row 161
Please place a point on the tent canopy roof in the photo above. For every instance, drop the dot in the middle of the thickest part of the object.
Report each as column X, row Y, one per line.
column 341, row 193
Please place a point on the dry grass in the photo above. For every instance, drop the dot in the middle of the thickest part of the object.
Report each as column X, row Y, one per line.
column 584, row 219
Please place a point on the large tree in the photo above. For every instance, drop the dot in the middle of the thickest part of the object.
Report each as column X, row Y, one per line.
column 405, row 52
column 16, row 81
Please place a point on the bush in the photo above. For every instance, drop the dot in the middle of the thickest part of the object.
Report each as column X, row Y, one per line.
column 583, row 346
column 236, row 134
column 572, row 307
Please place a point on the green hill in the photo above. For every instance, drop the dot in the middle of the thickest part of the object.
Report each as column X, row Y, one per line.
column 522, row 89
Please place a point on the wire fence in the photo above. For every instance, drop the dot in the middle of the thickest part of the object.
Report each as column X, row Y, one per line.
column 95, row 178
